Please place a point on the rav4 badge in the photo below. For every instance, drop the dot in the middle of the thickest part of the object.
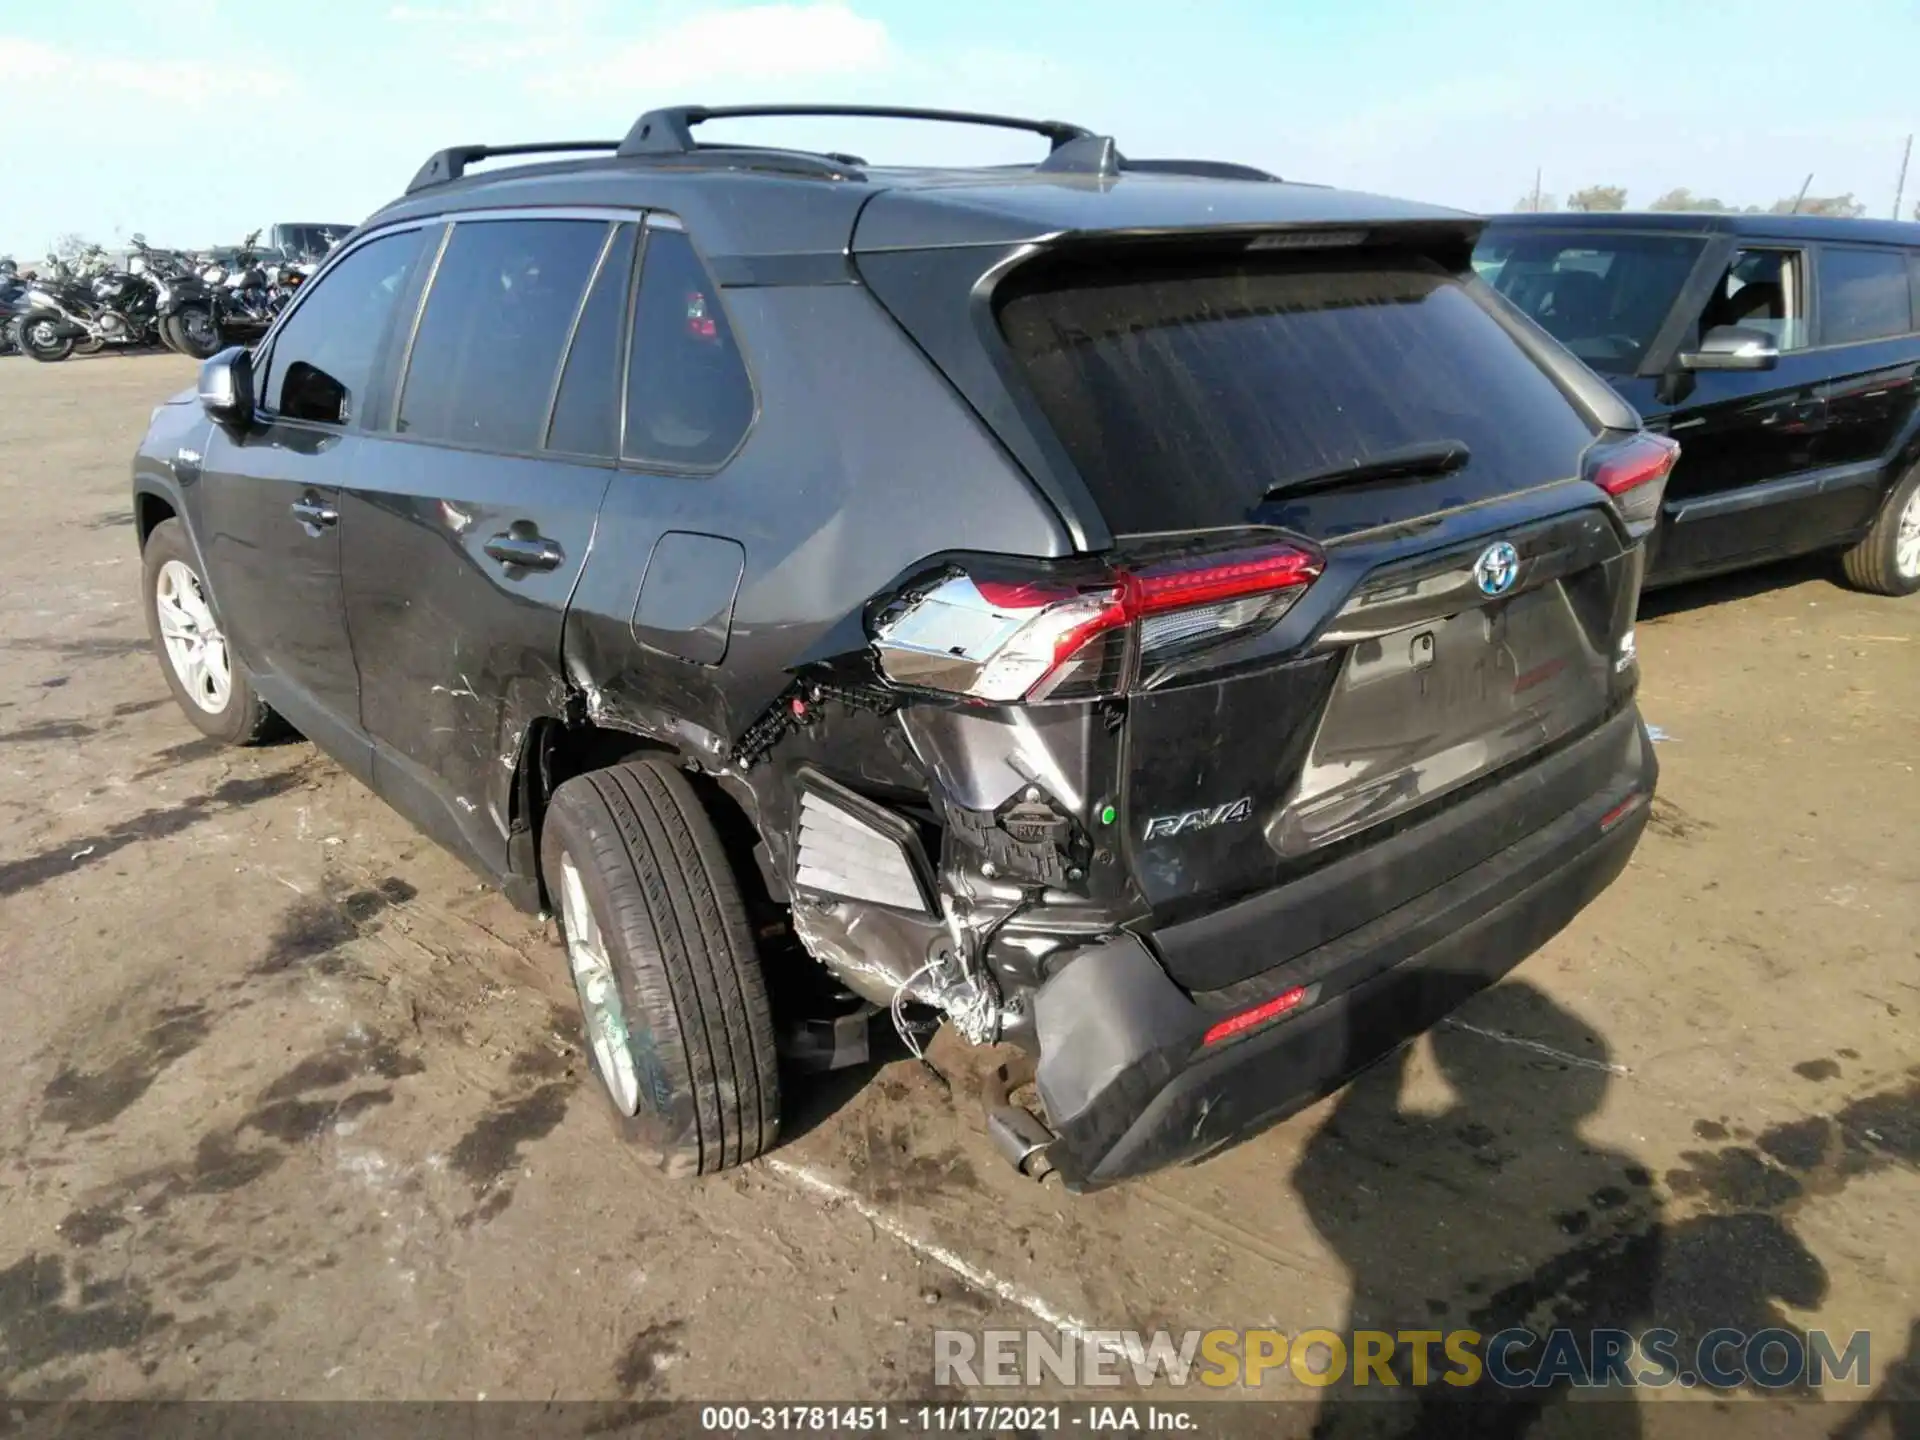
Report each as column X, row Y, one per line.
column 1160, row 827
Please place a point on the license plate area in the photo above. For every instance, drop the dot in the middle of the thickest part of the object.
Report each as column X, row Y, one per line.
column 1425, row 709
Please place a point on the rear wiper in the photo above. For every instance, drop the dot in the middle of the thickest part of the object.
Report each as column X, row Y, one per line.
column 1428, row 457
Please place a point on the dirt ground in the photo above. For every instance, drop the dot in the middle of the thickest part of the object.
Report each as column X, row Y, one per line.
column 292, row 1107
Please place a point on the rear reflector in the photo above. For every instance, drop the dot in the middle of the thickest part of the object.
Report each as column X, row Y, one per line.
column 1620, row 812
column 1635, row 475
column 1247, row 1019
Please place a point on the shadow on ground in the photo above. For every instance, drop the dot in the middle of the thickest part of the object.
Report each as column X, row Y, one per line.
column 1739, row 585
column 1496, row 1212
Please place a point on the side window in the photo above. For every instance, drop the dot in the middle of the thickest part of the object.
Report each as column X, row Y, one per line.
column 688, row 396
column 323, row 357
column 502, row 305
column 586, row 408
column 1762, row 290
column 1864, row 295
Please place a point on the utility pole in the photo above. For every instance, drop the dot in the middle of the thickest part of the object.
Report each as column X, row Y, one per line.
column 1805, row 185
column 1900, row 190
column 1536, row 190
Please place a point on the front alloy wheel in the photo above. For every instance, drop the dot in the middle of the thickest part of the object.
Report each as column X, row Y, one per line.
column 203, row 672
column 195, row 647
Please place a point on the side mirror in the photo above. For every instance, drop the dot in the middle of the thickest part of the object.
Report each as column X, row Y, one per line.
column 1733, row 347
column 226, row 386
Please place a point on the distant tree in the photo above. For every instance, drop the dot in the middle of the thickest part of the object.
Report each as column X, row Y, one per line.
column 1682, row 198
column 70, row 246
column 1531, row 202
column 1598, row 197
column 1844, row 206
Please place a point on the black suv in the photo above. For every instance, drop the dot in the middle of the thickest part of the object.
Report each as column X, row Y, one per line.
column 1174, row 621
column 1783, row 352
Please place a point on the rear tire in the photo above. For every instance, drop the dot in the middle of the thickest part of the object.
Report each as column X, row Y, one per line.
column 671, row 991
column 196, row 334
column 228, row 711
column 1887, row 562
column 41, row 343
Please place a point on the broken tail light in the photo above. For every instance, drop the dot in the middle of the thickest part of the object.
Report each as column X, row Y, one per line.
column 1037, row 640
column 1635, row 475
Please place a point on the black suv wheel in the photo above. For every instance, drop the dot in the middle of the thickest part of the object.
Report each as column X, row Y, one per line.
column 201, row 668
column 671, row 993
column 1887, row 562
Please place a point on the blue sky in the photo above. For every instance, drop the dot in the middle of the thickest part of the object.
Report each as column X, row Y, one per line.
column 125, row 115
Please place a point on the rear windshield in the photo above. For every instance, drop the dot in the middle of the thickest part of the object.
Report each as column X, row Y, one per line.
column 1185, row 393
column 1600, row 293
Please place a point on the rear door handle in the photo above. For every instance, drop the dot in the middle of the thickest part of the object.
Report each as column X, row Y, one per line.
column 525, row 550
column 314, row 513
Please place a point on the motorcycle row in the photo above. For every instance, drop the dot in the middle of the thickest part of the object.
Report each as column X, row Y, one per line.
column 196, row 304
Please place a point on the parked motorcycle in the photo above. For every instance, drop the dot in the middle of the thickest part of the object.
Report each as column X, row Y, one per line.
column 189, row 313
column 86, row 306
column 248, row 302
column 187, row 309
column 13, row 299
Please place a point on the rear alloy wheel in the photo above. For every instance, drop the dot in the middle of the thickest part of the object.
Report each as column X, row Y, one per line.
column 193, row 330
column 1887, row 562
column 41, row 338
column 194, row 653
column 672, row 998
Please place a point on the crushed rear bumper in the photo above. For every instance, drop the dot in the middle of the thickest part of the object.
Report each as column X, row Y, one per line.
column 1126, row 1080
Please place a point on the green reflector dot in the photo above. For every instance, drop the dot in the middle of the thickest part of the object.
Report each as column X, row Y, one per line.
column 1108, row 814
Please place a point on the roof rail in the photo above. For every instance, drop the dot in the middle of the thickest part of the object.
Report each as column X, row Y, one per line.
column 445, row 166
column 669, row 131
column 1208, row 169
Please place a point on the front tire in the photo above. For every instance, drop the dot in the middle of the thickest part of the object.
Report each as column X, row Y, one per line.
column 201, row 669
column 663, row 961
column 39, row 339
column 1887, row 562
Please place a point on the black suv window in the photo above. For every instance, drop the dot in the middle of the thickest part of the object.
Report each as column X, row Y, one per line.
column 586, row 411
column 1601, row 293
column 1761, row 290
column 323, row 357
column 503, row 303
column 1183, row 391
column 1864, row 295
column 688, row 396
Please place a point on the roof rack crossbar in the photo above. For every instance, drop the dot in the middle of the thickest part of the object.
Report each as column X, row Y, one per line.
column 670, row 130
column 445, row 166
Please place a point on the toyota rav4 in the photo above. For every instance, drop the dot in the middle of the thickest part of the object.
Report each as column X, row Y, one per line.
column 1171, row 622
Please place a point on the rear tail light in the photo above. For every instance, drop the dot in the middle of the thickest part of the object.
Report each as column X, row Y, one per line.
column 1006, row 641
column 1635, row 475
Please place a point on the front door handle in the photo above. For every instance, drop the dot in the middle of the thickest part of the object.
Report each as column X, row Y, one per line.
column 314, row 513
column 525, row 550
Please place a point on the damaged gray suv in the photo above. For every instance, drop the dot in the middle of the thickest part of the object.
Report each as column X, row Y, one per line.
column 1173, row 623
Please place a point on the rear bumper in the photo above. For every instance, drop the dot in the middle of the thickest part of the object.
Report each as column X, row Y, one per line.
column 1127, row 1082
